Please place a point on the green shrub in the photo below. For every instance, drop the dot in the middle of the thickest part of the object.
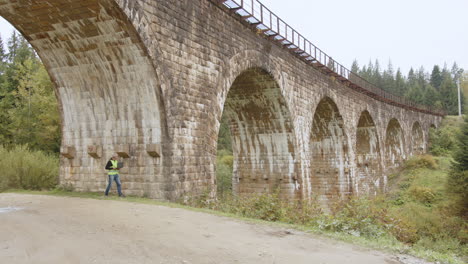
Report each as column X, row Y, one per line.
column 443, row 140
column 426, row 220
column 403, row 230
column 423, row 194
column 26, row 169
column 442, row 244
column 228, row 160
column 358, row 216
column 404, row 185
column 423, row 161
column 266, row 206
column 223, row 152
column 457, row 182
column 303, row 212
column 223, row 177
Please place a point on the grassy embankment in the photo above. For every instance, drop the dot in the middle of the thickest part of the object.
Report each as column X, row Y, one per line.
column 416, row 216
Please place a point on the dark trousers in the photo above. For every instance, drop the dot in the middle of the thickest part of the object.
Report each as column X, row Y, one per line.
column 115, row 178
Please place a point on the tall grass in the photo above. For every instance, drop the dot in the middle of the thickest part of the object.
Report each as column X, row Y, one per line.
column 417, row 211
column 224, row 163
column 21, row 168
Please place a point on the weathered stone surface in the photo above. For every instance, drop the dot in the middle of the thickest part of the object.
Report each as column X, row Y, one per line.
column 68, row 152
column 154, row 150
column 95, row 151
column 147, row 73
column 123, row 150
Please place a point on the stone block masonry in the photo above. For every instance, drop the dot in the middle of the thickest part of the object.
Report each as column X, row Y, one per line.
column 150, row 80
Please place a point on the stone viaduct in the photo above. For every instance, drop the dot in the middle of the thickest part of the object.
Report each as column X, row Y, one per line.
column 151, row 79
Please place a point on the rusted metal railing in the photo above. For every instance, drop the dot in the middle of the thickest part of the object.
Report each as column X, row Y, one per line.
column 274, row 28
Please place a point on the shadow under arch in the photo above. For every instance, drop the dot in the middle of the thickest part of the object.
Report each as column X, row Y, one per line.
column 394, row 144
column 106, row 85
column 329, row 150
column 368, row 157
column 417, row 139
column 262, row 133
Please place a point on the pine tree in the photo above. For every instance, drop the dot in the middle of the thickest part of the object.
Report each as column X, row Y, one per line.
column 366, row 72
column 28, row 106
column 456, row 72
column 412, row 80
column 415, row 94
column 461, row 155
column 436, row 77
column 457, row 182
column 400, row 83
column 431, row 96
column 376, row 75
column 388, row 80
column 449, row 93
column 3, row 54
column 437, row 90
column 2, row 60
column 13, row 44
column 35, row 119
column 355, row 67
column 421, row 77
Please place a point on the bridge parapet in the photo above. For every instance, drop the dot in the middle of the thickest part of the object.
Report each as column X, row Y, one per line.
column 271, row 26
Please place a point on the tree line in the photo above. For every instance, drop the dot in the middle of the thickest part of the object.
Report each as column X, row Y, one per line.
column 29, row 112
column 438, row 88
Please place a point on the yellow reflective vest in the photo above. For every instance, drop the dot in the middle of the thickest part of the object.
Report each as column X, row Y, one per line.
column 114, row 166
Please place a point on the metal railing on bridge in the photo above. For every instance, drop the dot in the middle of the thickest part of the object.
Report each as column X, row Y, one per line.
column 274, row 28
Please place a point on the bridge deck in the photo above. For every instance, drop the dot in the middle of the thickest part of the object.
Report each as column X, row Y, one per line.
column 269, row 25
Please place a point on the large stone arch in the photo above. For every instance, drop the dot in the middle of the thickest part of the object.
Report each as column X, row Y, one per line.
column 147, row 27
column 368, row 157
column 330, row 172
column 242, row 61
column 417, row 139
column 262, row 132
column 107, row 86
column 394, row 144
column 238, row 73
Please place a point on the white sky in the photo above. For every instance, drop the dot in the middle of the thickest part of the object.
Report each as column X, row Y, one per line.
column 412, row 33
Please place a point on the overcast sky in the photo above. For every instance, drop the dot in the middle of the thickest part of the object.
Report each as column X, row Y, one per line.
column 410, row 33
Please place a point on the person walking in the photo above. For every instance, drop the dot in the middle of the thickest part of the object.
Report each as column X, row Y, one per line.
column 113, row 172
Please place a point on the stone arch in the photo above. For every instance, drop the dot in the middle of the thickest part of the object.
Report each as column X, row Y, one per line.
column 329, row 151
column 417, row 139
column 146, row 32
column 242, row 61
column 368, row 156
column 394, row 144
column 262, row 134
column 107, row 87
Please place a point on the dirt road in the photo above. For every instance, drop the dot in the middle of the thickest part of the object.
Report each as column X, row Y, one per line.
column 47, row 229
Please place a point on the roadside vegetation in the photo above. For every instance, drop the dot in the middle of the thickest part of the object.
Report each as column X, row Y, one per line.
column 423, row 212
column 29, row 119
column 22, row 168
